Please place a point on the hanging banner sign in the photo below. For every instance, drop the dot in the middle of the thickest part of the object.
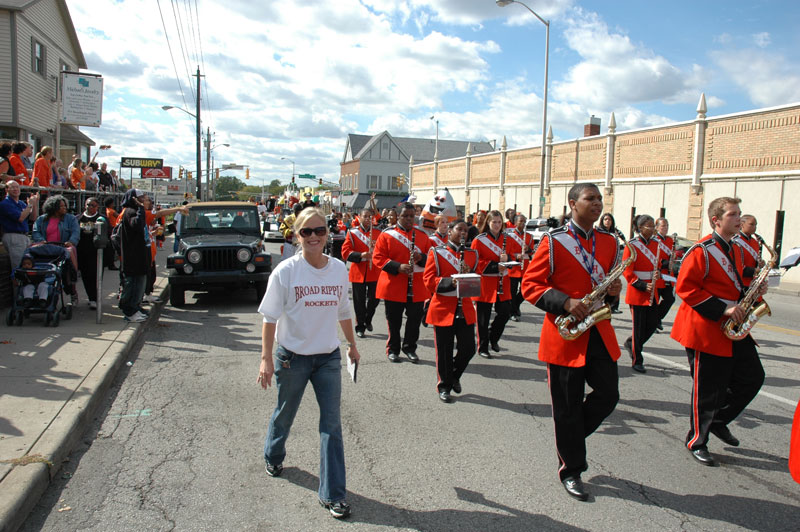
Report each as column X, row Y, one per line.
column 157, row 173
column 135, row 162
column 81, row 99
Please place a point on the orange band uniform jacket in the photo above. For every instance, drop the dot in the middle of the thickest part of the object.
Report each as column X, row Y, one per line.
column 667, row 244
column 488, row 261
column 439, row 281
column 706, row 289
column 640, row 272
column 514, row 248
column 352, row 248
column 750, row 257
column 390, row 253
column 554, row 275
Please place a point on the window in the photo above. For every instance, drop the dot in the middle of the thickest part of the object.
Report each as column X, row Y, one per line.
column 393, row 183
column 373, row 182
column 39, row 57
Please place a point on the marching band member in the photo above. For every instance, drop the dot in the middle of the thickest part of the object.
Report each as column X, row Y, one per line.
column 495, row 286
column 520, row 249
column 726, row 374
column 751, row 246
column 453, row 318
column 439, row 237
column 400, row 254
column 641, row 295
column 358, row 248
column 665, row 292
column 567, row 264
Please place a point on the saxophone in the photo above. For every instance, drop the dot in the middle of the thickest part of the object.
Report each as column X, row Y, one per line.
column 671, row 266
column 753, row 312
column 564, row 322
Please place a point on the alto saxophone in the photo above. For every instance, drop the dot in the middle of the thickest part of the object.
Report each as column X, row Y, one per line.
column 565, row 322
column 753, row 311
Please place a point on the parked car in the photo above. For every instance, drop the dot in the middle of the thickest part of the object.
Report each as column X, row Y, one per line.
column 537, row 227
column 272, row 231
column 221, row 246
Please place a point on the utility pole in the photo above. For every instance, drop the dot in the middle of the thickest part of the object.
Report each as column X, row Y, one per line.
column 208, row 161
column 199, row 147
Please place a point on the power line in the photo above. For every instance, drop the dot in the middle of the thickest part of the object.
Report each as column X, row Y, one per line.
column 184, row 53
column 172, row 57
column 203, row 62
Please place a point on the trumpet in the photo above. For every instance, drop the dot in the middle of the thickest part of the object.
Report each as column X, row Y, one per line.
column 753, row 311
column 565, row 322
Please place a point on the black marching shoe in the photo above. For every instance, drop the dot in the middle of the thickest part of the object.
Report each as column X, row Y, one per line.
column 412, row 356
column 514, row 317
column 629, row 348
column 495, row 346
column 338, row 510
column 639, row 368
column 274, row 470
column 369, row 327
column 360, row 334
column 456, row 386
column 704, row 457
column 724, row 433
column 393, row 357
column 444, row 396
column 574, row 487
column 485, row 354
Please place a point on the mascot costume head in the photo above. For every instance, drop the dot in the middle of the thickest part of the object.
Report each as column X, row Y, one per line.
column 440, row 204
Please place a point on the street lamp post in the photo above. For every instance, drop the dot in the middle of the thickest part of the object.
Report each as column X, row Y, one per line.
column 436, row 146
column 199, row 142
column 291, row 161
column 503, row 3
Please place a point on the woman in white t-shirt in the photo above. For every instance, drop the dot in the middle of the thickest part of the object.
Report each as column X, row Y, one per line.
column 305, row 297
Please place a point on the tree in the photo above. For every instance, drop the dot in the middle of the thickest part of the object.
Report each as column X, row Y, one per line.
column 275, row 187
column 227, row 187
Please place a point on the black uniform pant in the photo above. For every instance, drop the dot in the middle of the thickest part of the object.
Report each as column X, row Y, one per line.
column 87, row 264
column 576, row 417
column 722, row 388
column 516, row 295
column 394, row 319
column 486, row 333
column 364, row 303
column 667, row 296
column 448, row 367
column 645, row 321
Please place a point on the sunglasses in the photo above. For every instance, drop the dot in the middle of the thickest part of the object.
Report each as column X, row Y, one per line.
column 319, row 231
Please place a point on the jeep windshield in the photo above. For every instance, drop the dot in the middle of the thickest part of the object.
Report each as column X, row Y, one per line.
column 218, row 220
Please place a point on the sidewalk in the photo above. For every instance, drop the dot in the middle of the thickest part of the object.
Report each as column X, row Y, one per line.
column 52, row 381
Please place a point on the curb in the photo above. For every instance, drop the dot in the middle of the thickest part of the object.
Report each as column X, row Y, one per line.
column 25, row 485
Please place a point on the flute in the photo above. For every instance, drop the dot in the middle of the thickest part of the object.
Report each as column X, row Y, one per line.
column 369, row 248
column 500, row 287
column 655, row 276
column 410, row 292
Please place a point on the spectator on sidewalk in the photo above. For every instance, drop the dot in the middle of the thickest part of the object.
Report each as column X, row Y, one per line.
column 42, row 172
column 77, row 176
column 111, row 217
column 177, row 221
column 14, row 217
column 105, row 181
column 135, row 257
column 57, row 225
column 21, row 173
column 6, row 170
column 87, row 252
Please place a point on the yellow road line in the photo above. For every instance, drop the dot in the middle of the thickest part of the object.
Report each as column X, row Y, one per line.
column 775, row 328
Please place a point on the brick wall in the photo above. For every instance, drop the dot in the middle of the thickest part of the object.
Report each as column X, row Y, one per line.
column 452, row 173
column 654, row 153
column 523, row 166
column 485, row 170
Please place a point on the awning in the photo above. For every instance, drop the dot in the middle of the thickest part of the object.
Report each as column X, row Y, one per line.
column 359, row 201
column 71, row 134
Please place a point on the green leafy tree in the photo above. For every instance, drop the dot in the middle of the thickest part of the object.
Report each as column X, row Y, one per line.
column 228, row 187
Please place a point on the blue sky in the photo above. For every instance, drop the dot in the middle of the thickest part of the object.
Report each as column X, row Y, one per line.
column 292, row 78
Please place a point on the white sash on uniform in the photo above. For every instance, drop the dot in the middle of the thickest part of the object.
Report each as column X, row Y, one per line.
column 723, row 260
column 494, row 248
column 360, row 235
column 747, row 247
column 403, row 239
column 447, row 255
column 574, row 249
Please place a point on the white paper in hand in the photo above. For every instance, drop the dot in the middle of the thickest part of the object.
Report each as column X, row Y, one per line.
column 352, row 368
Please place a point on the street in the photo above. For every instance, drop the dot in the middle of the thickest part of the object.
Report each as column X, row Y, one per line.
column 178, row 445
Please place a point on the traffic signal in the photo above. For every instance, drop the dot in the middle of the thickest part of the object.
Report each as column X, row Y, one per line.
column 216, row 173
column 188, row 175
column 180, row 172
column 320, row 181
column 399, row 181
column 247, row 173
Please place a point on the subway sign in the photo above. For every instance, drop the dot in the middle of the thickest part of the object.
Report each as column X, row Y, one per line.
column 137, row 162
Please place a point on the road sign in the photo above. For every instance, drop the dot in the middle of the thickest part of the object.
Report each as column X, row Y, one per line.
column 541, row 200
column 307, row 176
column 233, row 167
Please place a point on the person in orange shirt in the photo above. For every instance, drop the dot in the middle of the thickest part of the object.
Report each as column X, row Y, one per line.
column 751, row 246
column 111, row 216
column 566, row 266
column 726, row 374
column 41, row 168
column 21, row 173
column 78, row 176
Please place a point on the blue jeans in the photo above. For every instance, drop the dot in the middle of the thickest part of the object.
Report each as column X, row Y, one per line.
column 175, row 243
column 292, row 373
column 130, row 299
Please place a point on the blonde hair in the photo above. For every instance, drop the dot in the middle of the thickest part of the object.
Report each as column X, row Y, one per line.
column 44, row 151
column 717, row 207
column 305, row 215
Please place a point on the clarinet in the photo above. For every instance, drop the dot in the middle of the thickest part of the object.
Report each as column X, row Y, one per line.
column 463, row 267
column 410, row 292
column 500, row 284
column 369, row 250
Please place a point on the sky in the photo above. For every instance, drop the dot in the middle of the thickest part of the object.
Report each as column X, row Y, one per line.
column 287, row 81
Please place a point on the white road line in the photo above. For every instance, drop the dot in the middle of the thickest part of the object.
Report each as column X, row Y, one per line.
column 669, row 362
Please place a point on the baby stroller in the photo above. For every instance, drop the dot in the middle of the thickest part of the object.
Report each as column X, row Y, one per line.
column 51, row 262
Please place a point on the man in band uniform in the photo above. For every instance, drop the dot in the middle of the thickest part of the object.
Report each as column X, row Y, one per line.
column 397, row 261
column 453, row 318
column 520, row 248
column 567, row 264
column 666, row 293
column 726, row 374
column 357, row 248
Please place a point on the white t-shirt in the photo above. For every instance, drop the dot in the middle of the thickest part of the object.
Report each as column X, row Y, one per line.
column 307, row 304
column 262, row 209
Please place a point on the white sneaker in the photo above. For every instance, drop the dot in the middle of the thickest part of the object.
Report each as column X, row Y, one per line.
column 92, row 305
column 137, row 317
column 151, row 299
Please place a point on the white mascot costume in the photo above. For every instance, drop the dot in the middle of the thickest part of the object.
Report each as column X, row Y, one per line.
column 440, row 204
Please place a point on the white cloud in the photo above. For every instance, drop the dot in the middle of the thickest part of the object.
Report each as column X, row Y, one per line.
column 756, row 72
column 762, row 39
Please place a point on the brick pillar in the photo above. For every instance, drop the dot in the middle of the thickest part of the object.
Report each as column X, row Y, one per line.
column 694, row 221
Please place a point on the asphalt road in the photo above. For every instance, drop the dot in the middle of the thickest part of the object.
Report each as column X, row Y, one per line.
column 179, row 445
